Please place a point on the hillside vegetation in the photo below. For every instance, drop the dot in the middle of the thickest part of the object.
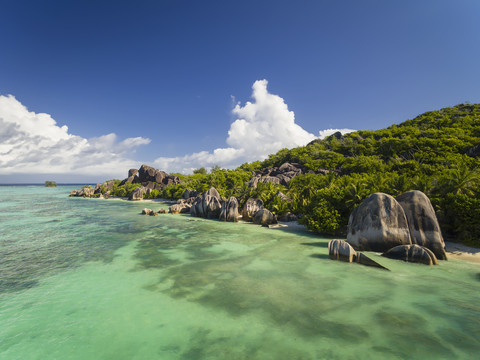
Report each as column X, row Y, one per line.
column 437, row 153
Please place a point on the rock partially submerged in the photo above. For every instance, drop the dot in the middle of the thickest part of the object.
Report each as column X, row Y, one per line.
column 412, row 253
column 343, row 251
column 378, row 224
column 340, row 250
column 422, row 222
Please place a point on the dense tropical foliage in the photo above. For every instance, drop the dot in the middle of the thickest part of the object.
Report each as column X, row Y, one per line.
column 436, row 153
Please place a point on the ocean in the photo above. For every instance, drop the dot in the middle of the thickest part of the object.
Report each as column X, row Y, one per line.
column 94, row 279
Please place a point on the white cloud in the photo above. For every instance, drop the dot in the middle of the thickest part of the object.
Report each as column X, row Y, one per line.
column 33, row 143
column 262, row 127
column 324, row 133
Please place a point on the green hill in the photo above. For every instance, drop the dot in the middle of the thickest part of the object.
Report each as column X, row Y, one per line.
column 437, row 153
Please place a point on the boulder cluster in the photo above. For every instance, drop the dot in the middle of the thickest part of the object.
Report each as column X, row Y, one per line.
column 149, row 177
column 404, row 228
column 211, row 205
column 281, row 174
column 104, row 190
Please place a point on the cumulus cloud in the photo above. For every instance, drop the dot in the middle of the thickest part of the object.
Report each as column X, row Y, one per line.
column 327, row 132
column 262, row 127
column 33, row 143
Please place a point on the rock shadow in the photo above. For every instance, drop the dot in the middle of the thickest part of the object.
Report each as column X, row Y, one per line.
column 320, row 256
column 317, row 244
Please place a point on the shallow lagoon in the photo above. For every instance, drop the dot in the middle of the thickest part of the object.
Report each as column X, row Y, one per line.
column 93, row 279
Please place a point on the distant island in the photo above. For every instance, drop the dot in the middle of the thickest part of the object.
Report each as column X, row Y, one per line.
column 50, row 184
column 321, row 183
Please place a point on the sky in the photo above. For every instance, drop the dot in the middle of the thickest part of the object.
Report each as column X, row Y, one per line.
column 90, row 89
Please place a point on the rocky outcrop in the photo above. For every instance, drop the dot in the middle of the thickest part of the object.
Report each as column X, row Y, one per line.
column 229, row 211
column 250, row 208
column 341, row 250
column 86, row 191
column 208, row 205
column 146, row 211
column 162, row 211
column 422, row 222
column 150, row 178
column 412, row 253
column 277, row 175
column 188, row 194
column 137, row 194
column 264, row 217
column 181, row 208
column 378, row 224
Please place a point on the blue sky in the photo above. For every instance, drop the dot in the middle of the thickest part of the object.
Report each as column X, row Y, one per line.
column 173, row 71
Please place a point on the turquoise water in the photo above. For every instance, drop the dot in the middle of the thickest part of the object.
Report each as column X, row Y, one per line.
column 93, row 279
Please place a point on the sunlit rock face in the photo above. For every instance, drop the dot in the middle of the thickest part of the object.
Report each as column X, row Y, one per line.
column 250, row 208
column 422, row 222
column 229, row 211
column 378, row 224
column 264, row 217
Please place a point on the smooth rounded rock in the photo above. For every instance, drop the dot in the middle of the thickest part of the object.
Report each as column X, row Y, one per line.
column 412, row 253
column 250, row 208
column 422, row 222
column 264, row 217
column 340, row 250
column 378, row 224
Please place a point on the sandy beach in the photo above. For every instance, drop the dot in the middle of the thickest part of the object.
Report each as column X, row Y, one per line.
column 462, row 252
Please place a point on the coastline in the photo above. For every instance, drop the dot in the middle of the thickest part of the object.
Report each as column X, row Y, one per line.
column 454, row 250
column 462, row 252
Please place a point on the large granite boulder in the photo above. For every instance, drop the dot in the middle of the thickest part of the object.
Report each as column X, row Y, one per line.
column 264, row 217
column 412, row 253
column 250, row 208
column 137, row 193
column 378, row 224
column 132, row 172
column 422, row 222
column 207, row 205
column 170, row 180
column 159, row 176
column 229, row 211
column 146, row 173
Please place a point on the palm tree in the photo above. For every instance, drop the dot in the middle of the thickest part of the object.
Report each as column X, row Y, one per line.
column 462, row 179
